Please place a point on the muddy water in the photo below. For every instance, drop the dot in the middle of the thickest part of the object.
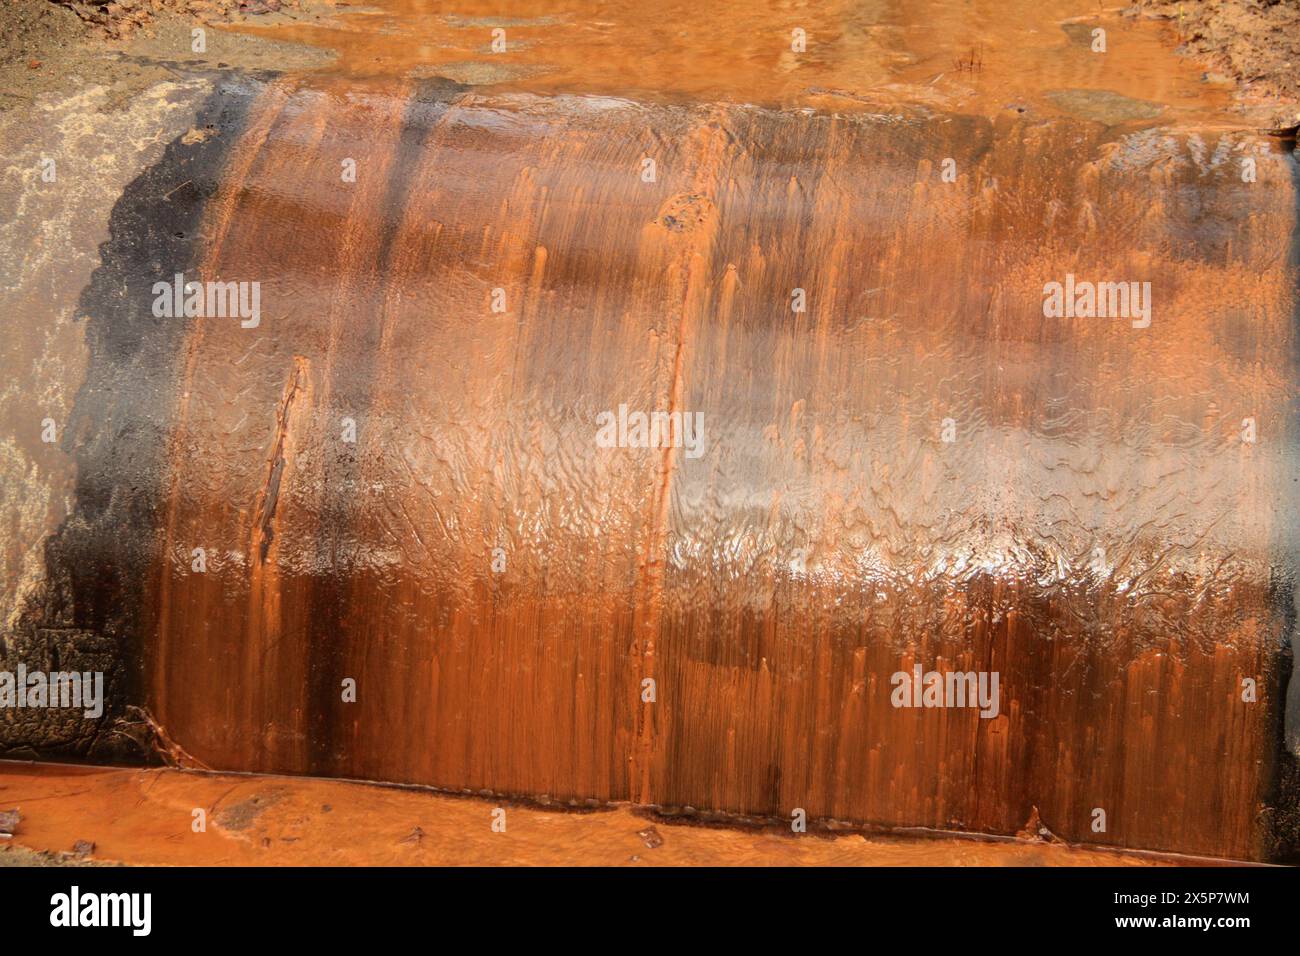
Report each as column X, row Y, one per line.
column 904, row 463
column 130, row 817
column 981, row 56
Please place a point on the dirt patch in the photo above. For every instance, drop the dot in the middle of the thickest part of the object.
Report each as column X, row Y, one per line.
column 43, row 48
column 242, row 814
column 473, row 73
column 29, row 29
column 46, row 47
column 34, row 35
column 1103, row 106
column 18, row 856
column 120, row 18
column 1254, row 42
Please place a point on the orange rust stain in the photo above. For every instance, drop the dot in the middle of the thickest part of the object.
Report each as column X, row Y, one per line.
column 144, row 817
column 827, row 538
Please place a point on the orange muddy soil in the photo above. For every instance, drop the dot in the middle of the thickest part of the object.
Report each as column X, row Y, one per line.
column 852, row 56
column 1255, row 43
column 144, row 817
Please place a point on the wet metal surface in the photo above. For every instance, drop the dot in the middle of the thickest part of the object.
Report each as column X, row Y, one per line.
column 1097, row 532
column 392, row 483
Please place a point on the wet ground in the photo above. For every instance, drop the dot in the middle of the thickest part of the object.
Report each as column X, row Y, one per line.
column 146, row 817
column 463, row 259
column 960, row 57
column 1255, row 44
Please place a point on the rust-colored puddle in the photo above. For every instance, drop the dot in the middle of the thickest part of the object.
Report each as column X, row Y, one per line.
column 145, row 817
column 959, row 57
column 390, row 539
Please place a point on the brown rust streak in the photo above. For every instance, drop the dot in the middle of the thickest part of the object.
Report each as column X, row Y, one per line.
column 270, row 495
column 689, row 237
column 219, row 215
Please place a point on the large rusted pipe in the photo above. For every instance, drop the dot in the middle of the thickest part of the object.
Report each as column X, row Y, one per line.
column 395, row 477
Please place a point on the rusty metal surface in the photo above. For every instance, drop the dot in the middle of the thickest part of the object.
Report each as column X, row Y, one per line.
column 395, row 476
column 825, row 538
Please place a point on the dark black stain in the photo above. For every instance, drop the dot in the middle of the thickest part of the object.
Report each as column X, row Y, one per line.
column 334, row 620
column 90, row 613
